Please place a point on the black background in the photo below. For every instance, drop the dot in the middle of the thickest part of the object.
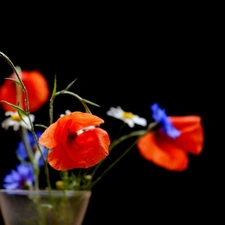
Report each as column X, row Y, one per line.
column 130, row 58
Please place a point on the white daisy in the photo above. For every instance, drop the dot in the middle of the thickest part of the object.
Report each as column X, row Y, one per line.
column 127, row 117
column 15, row 121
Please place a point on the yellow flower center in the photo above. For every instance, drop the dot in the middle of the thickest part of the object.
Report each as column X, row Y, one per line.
column 128, row 115
column 15, row 117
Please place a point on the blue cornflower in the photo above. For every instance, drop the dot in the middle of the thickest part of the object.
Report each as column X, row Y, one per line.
column 22, row 153
column 160, row 116
column 22, row 178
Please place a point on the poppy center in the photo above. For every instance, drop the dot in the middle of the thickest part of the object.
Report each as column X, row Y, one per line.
column 71, row 137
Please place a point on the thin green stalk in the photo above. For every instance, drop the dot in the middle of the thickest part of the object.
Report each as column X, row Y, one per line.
column 83, row 101
column 116, row 142
column 28, row 148
column 28, row 114
column 51, row 109
column 78, row 97
column 30, row 154
column 139, row 133
column 112, row 165
column 151, row 128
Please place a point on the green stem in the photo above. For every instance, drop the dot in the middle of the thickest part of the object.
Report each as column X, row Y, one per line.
column 83, row 101
column 30, row 154
column 51, row 109
column 26, row 142
column 139, row 133
column 27, row 113
column 151, row 128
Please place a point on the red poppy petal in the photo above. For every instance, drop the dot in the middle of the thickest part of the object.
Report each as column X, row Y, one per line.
column 48, row 138
column 37, row 89
column 8, row 93
column 163, row 153
column 71, row 123
column 76, row 121
column 181, row 122
column 191, row 138
column 88, row 148
column 75, row 151
column 59, row 159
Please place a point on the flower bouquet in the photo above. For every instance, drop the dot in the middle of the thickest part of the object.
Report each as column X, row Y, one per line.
column 76, row 146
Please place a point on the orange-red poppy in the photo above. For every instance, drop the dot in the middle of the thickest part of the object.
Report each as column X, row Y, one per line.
column 75, row 141
column 170, row 153
column 37, row 89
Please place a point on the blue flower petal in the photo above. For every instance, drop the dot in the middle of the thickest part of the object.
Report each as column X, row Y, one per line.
column 21, row 150
column 159, row 115
column 17, row 179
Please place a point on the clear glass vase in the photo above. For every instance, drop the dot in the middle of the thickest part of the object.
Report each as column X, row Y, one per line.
column 25, row 207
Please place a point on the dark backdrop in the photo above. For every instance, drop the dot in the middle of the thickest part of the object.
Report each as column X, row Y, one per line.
column 130, row 61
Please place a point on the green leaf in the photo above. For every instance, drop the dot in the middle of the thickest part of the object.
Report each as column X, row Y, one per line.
column 16, row 107
column 20, row 111
column 69, row 86
column 14, row 80
column 41, row 125
column 21, row 115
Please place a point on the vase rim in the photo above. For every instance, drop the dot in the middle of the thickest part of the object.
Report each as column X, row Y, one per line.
column 44, row 192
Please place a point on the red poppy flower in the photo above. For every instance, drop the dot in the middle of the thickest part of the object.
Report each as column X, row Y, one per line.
column 76, row 141
column 170, row 153
column 37, row 89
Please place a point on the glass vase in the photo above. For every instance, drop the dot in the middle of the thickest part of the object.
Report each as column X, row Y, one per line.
column 25, row 207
